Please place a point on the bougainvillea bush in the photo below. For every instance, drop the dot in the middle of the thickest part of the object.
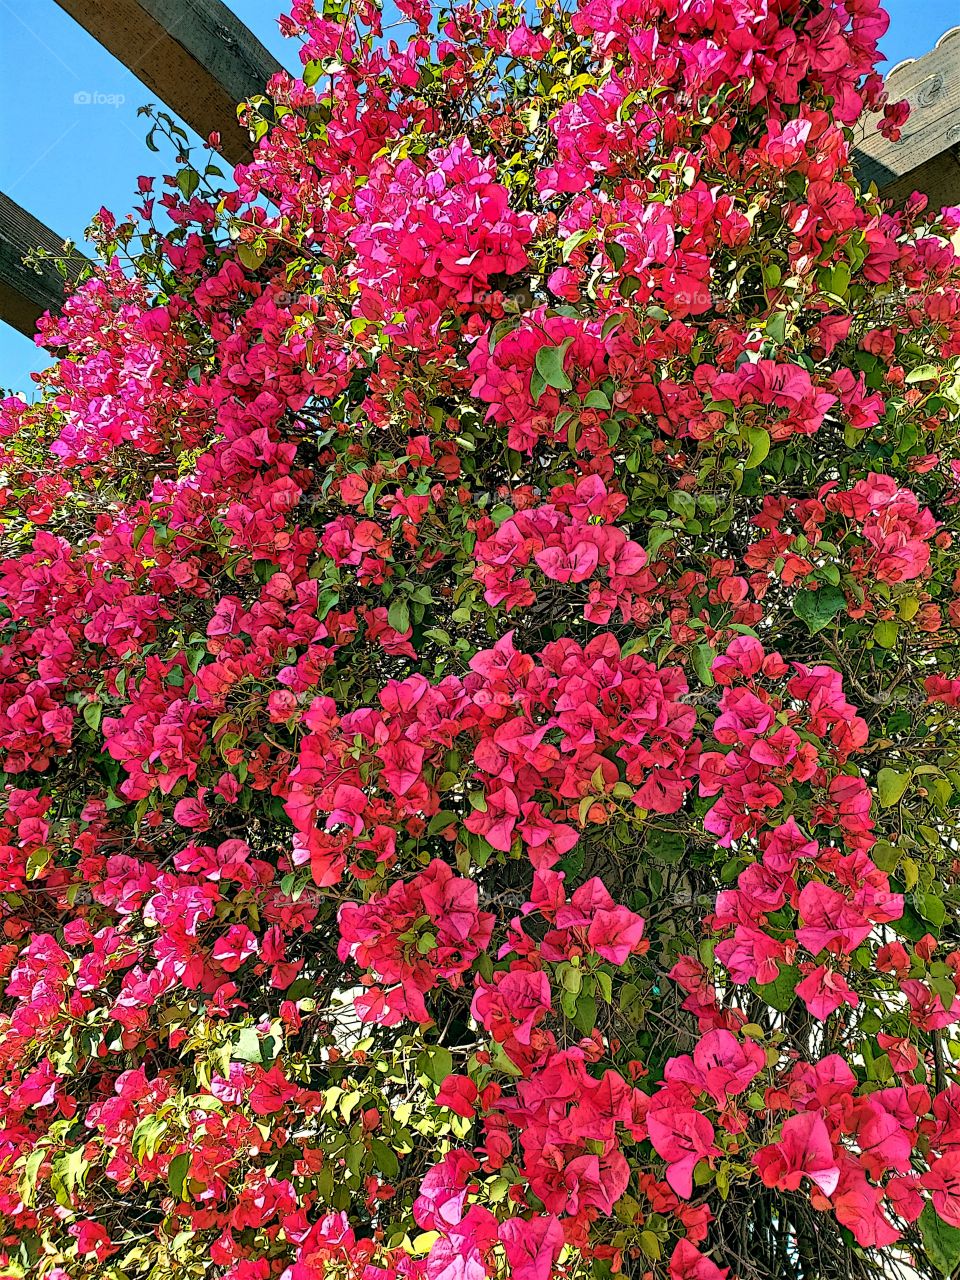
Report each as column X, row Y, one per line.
column 479, row 684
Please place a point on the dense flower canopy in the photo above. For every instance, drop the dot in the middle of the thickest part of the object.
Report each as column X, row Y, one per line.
column 479, row 682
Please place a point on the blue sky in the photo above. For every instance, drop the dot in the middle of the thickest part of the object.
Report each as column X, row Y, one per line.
column 62, row 160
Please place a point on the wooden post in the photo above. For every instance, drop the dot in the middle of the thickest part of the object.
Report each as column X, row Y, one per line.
column 25, row 292
column 195, row 55
column 927, row 156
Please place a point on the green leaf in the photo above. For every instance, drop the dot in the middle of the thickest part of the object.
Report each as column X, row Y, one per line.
column 348, row 1102
column 759, row 447
column 247, row 1046
column 435, row 1063
column 385, row 1157
column 177, row 1174
column 650, row 1244
column 499, row 330
column 188, row 180
column 683, row 503
column 325, row 602
column 147, row 1135
column 398, row 615
column 585, row 1017
column 549, row 365
column 440, row 821
column 941, row 1242
column 781, row 993
column 932, row 908
column 73, row 1170
column 659, row 534
column 910, row 925
column 28, row 1179
column 37, row 860
column 616, row 253
column 703, row 656
column 925, row 373
column 574, row 241
column 251, row 255
column 777, row 327
column 944, row 988
column 91, row 715
column 890, row 786
column 817, row 608
column 663, row 846
column 501, row 1061
column 885, row 633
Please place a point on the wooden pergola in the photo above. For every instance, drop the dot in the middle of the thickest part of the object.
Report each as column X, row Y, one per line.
column 200, row 60
column 927, row 156
column 26, row 292
column 195, row 55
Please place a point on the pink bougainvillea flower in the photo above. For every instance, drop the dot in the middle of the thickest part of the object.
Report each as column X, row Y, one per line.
column 688, row 1263
column 532, row 1246
column 683, row 1137
column 804, row 1150
column 721, row 1065
column 458, row 1094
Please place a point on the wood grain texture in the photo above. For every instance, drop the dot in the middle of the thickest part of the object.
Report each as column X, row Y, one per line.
column 195, row 55
column 925, row 157
column 25, row 292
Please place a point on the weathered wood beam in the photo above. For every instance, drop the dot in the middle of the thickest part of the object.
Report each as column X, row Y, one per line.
column 27, row 292
column 926, row 156
column 195, row 55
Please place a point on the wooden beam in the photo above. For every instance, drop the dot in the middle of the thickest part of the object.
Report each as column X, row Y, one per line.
column 938, row 179
column 27, row 292
column 925, row 157
column 195, row 55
